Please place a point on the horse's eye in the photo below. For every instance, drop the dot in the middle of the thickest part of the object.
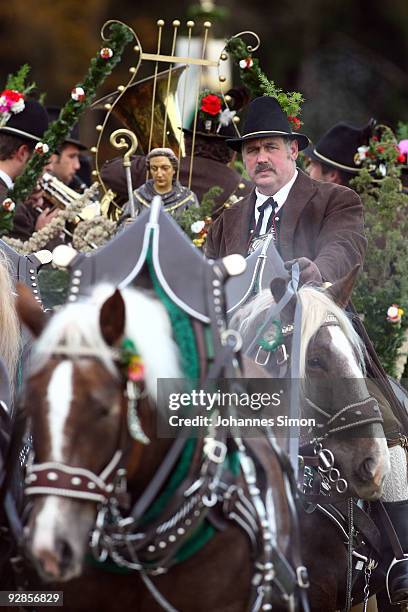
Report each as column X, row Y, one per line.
column 314, row 362
column 102, row 410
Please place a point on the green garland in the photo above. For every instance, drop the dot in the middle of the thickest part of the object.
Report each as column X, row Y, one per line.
column 202, row 213
column 383, row 280
column 381, row 157
column 258, row 84
column 120, row 36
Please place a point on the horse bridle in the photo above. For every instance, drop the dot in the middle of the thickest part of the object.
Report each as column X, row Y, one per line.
column 56, row 478
column 348, row 417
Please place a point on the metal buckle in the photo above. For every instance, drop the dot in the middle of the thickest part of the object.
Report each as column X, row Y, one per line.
column 302, row 577
column 215, row 450
column 326, row 458
column 258, row 352
column 285, row 356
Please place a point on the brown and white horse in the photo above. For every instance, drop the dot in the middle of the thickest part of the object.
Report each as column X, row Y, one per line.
column 332, row 374
column 334, row 389
column 75, row 399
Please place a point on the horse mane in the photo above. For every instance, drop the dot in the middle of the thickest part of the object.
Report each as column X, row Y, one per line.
column 147, row 324
column 316, row 306
column 10, row 337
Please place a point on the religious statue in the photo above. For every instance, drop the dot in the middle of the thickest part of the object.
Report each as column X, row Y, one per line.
column 162, row 165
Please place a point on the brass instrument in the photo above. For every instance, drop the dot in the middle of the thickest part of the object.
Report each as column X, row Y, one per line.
column 61, row 196
column 56, row 192
column 134, row 110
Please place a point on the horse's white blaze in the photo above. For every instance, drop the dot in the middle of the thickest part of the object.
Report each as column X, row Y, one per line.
column 342, row 344
column 45, row 526
column 59, row 397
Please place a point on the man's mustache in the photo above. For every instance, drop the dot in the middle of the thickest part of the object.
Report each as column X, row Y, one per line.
column 263, row 166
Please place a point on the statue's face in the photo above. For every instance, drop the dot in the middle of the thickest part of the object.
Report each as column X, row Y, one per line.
column 162, row 172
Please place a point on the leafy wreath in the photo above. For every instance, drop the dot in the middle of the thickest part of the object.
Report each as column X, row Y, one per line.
column 258, row 84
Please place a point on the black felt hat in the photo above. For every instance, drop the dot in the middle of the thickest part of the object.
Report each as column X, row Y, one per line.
column 28, row 124
column 73, row 136
column 265, row 118
column 338, row 147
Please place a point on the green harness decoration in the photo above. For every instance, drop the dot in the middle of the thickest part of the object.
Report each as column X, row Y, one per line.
column 277, row 340
column 184, row 336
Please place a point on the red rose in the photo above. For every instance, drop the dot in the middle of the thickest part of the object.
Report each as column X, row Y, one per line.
column 401, row 158
column 295, row 121
column 375, row 138
column 12, row 95
column 211, row 104
column 380, row 149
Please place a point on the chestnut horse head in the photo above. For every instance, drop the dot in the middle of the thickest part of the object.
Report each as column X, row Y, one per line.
column 332, row 372
column 75, row 396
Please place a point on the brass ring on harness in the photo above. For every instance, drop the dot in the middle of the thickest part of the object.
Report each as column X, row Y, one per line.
column 231, row 338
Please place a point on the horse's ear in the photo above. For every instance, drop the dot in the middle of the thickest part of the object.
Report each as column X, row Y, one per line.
column 29, row 310
column 341, row 290
column 278, row 288
column 112, row 318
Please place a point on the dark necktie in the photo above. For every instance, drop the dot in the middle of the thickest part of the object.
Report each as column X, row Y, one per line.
column 269, row 202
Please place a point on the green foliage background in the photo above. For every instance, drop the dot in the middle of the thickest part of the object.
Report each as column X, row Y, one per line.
column 384, row 279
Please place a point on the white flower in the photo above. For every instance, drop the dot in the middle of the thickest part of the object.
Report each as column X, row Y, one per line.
column 226, row 117
column 382, row 168
column 362, row 152
column 42, row 147
column 18, row 106
column 246, row 63
column 197, row 226
column 9, row 205
column 78, row 94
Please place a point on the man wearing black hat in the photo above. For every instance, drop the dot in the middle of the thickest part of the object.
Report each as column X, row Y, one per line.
column 319, row 224
column 333, row 158
column 19, row 133
column 66, row 162
column 63, row 165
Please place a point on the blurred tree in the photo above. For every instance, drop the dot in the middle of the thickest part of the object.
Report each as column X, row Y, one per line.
column 56, row 38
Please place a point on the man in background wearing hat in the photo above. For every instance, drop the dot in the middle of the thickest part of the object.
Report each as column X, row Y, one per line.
column 19, row 133
column 63, row 164
column 332, row 159
column 319, row 224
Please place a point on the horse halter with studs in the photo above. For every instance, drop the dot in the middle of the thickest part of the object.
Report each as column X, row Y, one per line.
column 55, row 478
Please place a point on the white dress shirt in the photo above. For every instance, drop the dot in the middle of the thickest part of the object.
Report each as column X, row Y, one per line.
column 6, row 179
column 280, row 198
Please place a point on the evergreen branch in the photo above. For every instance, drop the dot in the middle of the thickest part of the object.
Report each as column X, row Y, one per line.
column 17, row 81
column 258, row 84
column 57, row 131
